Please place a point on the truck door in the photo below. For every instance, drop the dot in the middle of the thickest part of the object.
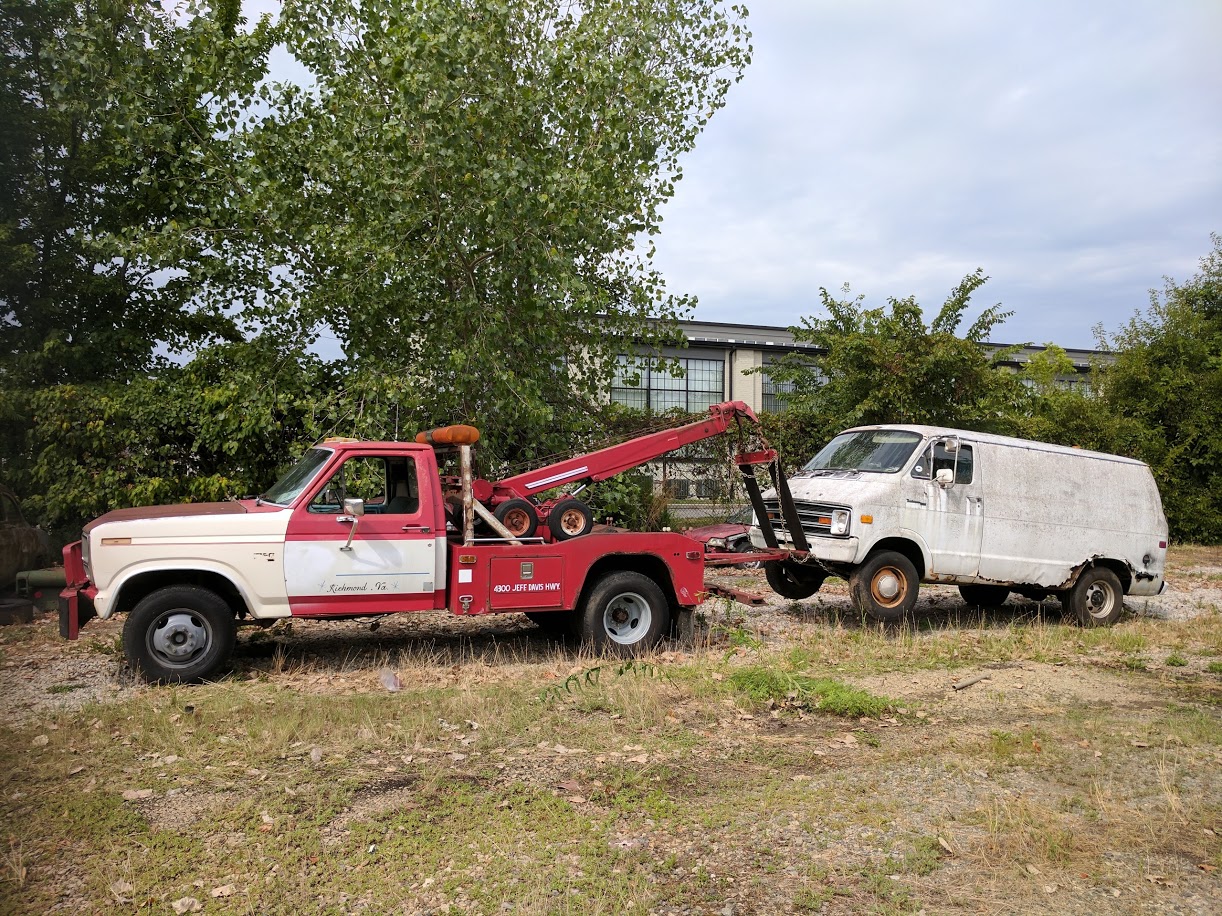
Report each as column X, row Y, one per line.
column 394, row 561
column 950, row 518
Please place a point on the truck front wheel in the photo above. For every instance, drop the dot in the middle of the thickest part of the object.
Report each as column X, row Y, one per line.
column 885, row 586
column 626, row 614
column 181, row 634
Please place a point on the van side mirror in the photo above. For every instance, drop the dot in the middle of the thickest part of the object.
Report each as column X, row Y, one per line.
column 945, row 478
column 355, row 507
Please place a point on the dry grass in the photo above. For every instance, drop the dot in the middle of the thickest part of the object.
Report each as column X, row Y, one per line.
column 508, row 773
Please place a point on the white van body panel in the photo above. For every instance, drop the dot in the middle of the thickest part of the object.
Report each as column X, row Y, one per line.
column 1032, row 514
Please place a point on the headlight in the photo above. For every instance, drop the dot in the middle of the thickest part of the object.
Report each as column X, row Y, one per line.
column 719, row 543
column 840, row 521
column 85, row 556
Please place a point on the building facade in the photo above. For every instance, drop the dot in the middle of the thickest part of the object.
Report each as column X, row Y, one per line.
column 728, row 362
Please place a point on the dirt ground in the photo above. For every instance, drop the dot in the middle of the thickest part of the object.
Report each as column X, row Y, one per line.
column 1026, row 765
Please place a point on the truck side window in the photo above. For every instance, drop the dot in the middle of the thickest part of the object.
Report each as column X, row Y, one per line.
column 937, row 457
column 363, row 477
column 404, row 490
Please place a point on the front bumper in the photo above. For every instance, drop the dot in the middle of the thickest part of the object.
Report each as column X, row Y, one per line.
column 822, row 549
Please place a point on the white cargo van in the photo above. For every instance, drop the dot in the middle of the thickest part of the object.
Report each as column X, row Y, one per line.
column 888, row 507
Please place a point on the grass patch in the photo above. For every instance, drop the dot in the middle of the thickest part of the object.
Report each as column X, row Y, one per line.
column 1175, row 660
column 784, row 688
column 1214, row 668
column 64, row 688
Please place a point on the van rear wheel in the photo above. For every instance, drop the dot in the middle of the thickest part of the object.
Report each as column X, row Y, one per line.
column 1096, row 599
column 885, row 586
column 984, row 595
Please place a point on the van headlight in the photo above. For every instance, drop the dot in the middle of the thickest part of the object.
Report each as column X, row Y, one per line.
column 840, row 521
column 85, row 557
column 719, row 543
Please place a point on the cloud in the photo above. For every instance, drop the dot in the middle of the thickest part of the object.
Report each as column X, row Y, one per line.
column 1071, row 150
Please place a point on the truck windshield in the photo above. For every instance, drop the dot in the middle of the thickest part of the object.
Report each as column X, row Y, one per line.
column 289, row 487
column 880, row 451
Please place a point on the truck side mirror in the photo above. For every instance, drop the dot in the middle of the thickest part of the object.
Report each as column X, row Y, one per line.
column 945, row 478
column 355, row 507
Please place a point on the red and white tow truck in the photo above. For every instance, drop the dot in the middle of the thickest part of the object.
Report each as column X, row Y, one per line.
column 358, row 529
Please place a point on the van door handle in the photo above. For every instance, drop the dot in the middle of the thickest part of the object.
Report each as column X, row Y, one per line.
column 423, row 529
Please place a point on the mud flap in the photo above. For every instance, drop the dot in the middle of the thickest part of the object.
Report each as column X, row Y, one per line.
column 75, row 610
column 683, row 625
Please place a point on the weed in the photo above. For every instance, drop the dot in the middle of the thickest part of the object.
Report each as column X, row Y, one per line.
column 1175, row 660
column 1214, row 668
column 762, row 685
column 1134, row 662
column 64, row 688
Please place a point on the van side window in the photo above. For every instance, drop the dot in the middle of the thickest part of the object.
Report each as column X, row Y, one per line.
column 937, row 457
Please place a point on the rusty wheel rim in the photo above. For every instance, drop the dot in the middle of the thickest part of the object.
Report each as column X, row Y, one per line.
column 572, row 522
column 887, row 587
column 517, row 521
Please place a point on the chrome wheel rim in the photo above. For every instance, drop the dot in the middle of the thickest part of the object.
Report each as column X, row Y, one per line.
column 1100, row 600
column 627, row 618
column 178, row 637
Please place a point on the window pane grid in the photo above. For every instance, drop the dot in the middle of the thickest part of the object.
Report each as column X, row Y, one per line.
column 701, row 385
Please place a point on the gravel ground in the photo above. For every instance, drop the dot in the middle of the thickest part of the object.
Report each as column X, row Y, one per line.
column 40, row 673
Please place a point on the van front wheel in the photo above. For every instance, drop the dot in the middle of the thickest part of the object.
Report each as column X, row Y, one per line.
column 1097, row 598
column 885, row 586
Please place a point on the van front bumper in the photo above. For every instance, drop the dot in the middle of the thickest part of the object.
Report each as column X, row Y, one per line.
column 827, row 550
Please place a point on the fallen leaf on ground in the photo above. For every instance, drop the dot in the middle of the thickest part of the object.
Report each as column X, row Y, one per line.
column 225, row 890
column 136, row 794
column 40, row 741
column 186, row 905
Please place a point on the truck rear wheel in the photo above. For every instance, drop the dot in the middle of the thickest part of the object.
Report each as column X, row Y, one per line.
column 626, row 614
column 181, row 634
column 885, row 586
column 984, row 595
column 1096, row 599
column 793, row 580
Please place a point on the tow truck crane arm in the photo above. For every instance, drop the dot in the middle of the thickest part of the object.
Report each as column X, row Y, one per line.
column 616, row 459
column 608, row 462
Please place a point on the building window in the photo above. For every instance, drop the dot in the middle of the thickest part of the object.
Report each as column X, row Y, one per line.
column 701, row 385
column 776, row 393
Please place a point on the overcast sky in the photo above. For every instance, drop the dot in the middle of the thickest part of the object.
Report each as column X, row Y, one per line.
column 1070, row 148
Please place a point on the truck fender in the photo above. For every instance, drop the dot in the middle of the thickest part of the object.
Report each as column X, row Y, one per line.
column 116, row 596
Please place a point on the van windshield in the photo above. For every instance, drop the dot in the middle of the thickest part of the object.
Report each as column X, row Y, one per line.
column 880, row 451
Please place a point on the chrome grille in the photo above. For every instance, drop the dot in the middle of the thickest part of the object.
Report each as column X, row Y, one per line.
column 816, row 518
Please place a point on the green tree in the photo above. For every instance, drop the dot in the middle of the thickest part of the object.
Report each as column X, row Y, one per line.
column 885, row 365
column 1165, row 387
column 115, row 158
column 466, row 194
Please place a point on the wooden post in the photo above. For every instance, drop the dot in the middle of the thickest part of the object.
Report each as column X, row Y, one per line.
column 468, row 501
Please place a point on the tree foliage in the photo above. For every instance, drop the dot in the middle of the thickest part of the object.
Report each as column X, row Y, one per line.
column 1165, row 388
column 115, row 121
column 467, row 193
column 885, row 365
